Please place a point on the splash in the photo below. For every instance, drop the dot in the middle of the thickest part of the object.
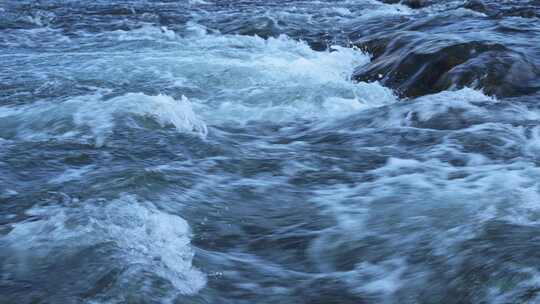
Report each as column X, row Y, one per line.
column 146, row 244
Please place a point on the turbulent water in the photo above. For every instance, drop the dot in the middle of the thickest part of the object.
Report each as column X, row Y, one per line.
column 255, row 151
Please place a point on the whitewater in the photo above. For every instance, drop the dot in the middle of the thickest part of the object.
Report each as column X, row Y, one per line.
column 269, row 151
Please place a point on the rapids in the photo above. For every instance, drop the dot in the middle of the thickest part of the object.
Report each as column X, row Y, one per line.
column 250, row 151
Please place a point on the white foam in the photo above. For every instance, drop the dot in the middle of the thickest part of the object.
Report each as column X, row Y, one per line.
column 532, row 142
column 250, row 73
column 44, row 120
column 72, row 174
column 380, row 279
column 282, row 79
column 243, row 78
column 198, row 2
column 382, row 9
column 146, row 32
column 343, row 11
column 426, row 107
column 9, row 192
column 429, row 203
column 143, row 238
column 166, row 110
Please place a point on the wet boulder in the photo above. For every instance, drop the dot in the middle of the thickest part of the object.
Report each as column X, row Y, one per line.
column 414, row 64
column 500, row 9
column 410, row 3
column 475, row 5
column 498, row 73
column 391, row 1
column 523, row 12
column 416, row 3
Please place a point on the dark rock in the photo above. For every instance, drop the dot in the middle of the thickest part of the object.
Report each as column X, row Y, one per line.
column 416, row 65
column 375, row 47
column 410, row 3
column 416, row 3
column 499, row 73
column 390, row 1
column 523, row 12
column 504, row 9
column 475, row 5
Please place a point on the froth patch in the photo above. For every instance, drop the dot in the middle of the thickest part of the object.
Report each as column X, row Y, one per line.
column 278, row 79
column 93, row 117
column 164, row 109
column 145, row 248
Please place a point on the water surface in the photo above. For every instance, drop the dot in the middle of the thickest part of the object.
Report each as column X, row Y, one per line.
column 269, row 152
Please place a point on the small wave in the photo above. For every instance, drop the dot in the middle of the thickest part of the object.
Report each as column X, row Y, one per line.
column 164, row 109
column 251, row 78
column 68, row 119
column 72, row 174
column 231, row 78
column 141, row 243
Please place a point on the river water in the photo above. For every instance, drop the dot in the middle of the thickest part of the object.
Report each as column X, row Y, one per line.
column 275, row 151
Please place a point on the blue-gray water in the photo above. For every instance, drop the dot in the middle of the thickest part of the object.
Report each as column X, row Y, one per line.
column 275, row 151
